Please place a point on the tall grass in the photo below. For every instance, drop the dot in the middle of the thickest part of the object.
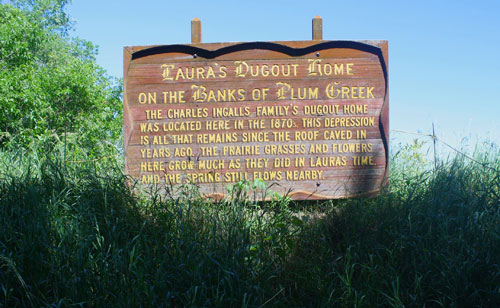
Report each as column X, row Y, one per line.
column 432, row 241
column 77, row 235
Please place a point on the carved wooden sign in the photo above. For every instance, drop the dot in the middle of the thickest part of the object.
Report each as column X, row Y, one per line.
column 309, row 117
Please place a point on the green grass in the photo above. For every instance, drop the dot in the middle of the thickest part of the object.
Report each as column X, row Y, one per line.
column 76, row 235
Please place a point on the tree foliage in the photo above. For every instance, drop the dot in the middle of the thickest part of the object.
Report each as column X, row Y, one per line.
column 50, row 84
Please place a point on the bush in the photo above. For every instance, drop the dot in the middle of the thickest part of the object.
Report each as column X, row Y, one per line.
column 51, row 88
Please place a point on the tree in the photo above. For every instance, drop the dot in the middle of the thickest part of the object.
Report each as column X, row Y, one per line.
column 50, row 83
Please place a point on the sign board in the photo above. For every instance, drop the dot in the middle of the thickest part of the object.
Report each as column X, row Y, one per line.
column 309, row 117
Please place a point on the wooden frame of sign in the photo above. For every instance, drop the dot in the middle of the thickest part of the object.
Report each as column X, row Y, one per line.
column 309, row 117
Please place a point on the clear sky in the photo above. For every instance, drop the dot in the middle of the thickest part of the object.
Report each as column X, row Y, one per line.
column 444, row 56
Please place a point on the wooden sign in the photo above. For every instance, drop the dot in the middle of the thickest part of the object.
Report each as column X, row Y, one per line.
column 309, row 117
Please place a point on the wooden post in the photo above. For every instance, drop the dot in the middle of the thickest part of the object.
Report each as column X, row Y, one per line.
column 195, row 31
column 434, row 142
column 317, row 29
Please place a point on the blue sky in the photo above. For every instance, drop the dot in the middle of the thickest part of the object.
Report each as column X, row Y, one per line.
column 444, row 56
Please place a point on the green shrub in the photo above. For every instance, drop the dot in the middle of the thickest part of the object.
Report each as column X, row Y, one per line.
column 51, row 88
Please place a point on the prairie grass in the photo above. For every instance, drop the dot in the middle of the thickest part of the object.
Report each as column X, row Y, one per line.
column 76, row 235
